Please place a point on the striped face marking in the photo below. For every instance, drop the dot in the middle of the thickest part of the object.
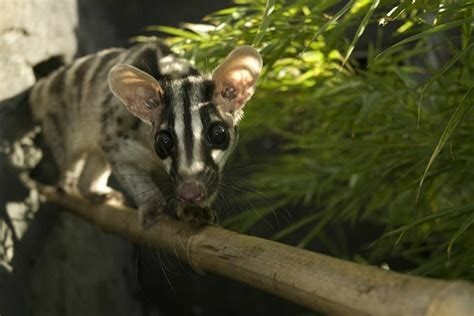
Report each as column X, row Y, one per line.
column 194, row 117
column 191, row 138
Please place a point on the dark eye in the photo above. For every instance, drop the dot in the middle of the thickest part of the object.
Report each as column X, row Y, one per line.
column 164, row 144
column 218, row 135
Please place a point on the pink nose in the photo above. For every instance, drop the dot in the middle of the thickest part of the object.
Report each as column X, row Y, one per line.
column 191, row 192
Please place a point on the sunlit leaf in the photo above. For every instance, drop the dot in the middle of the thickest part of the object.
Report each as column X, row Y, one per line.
column 331, row 21
column 361, row 29
column 433, row 30
column 340, row 142
column 269, row 7
column 174, row 31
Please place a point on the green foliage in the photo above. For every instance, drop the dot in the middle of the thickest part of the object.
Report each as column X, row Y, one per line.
column 389, row 145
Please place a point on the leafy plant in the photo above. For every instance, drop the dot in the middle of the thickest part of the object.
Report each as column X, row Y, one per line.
column 364, row 122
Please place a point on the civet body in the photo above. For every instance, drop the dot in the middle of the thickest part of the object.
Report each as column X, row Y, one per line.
column 164, row 129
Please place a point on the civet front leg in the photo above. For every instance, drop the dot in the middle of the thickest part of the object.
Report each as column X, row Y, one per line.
column 135, row 167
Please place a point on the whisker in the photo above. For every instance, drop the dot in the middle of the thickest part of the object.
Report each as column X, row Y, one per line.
column 144, row 192
column 237, row 187
column 159, row 198
column 228, row 207
column 248, row 130
column 179, row 261
column 138, row 151
column 140, row 181
column 228, row 171
column 132, row 175
column 260, row 216
column 163, row 269
column 137, row 279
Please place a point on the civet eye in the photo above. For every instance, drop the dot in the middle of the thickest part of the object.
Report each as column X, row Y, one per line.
column 164, row 144
column 218, row 135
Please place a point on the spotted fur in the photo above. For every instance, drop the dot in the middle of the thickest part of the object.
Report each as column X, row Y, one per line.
column 104, row 113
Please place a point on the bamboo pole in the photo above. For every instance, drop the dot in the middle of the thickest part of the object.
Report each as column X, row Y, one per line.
column 319, row 282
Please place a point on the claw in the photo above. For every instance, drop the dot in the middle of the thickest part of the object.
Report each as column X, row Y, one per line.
column 198, row 215
column 150, row 215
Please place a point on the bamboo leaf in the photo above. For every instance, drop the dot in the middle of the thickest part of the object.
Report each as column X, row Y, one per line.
column 433, row 30
column 360, row 30
column 346, row 140
column 453, row 123
column 438, row 74
column 315, row 230
column 446, row 214
column 462, row 229
column 333, row 20
column 298, row 225
column 174, row 31
column 269, row 7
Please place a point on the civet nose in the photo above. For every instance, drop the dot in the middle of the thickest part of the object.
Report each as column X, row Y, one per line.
column 191, row 192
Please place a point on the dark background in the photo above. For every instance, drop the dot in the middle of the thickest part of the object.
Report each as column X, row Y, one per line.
column 109, row 23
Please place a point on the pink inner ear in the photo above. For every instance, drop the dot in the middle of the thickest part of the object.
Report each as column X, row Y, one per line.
column 145, row 98
column 241, row 79
column 138, row 91
column 234, row 89
column 238, row 86
column 236, row 77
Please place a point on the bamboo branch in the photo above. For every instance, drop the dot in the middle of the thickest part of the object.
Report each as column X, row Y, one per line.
column 319, row 282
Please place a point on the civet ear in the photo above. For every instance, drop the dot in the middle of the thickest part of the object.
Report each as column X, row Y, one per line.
column 139, row 92
column 235, row 79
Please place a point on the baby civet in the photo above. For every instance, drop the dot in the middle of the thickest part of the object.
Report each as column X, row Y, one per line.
column 164, row 129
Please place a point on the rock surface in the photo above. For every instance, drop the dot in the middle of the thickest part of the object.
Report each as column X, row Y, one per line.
column 25, row 27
